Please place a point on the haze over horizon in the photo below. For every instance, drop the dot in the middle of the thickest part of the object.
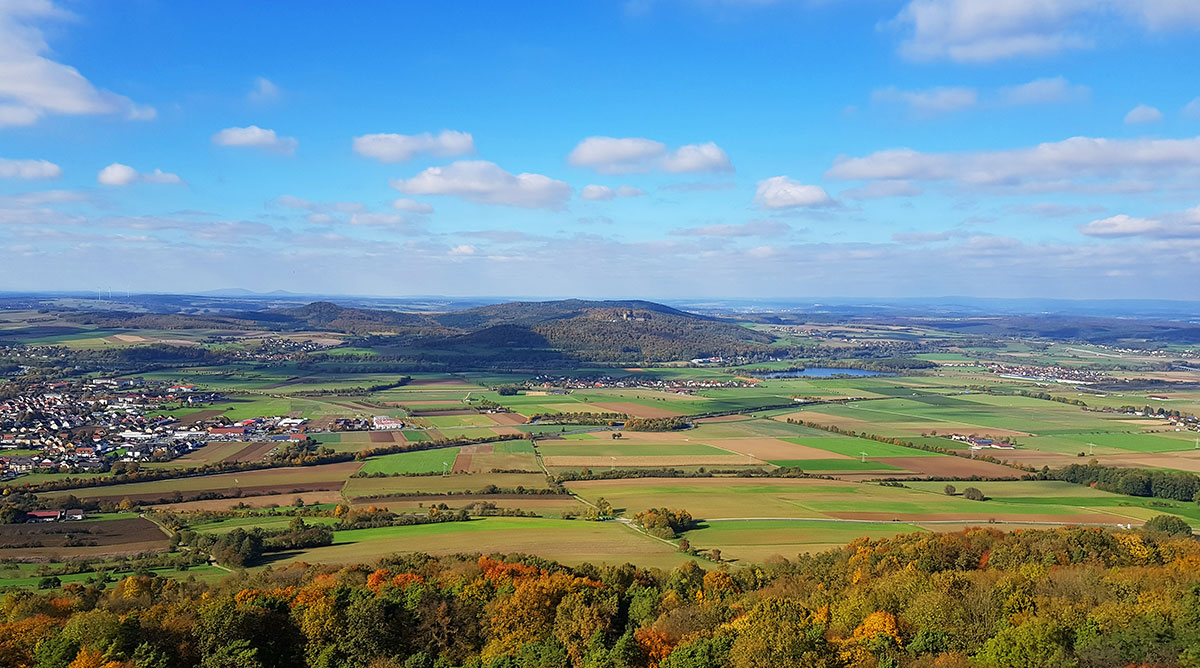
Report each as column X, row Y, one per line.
column 663, row 148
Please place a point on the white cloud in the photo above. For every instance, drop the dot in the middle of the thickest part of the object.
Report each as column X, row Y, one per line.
column 634, row 155
column 1179, row 224
column 781, row 192
column 486, row 182
column 378, row 219
column 938, row 100
column 985, row 31
column 117, row 174
column 411, row 206
column 1062, row 165
column 753, row 228
column 1192, row 109
column 881, row 189
column 29, row 169
column 707, row 157
column 321, row 212
column 1053, row 90
column 465, row 250
column 1119, row 226
column 596, row 192
column 402, row 148
column 1143, row 114
column 256, row 137
column 32, row 85
column 264, row 90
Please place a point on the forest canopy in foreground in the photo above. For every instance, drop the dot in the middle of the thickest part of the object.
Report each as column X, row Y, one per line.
column 1064, row 598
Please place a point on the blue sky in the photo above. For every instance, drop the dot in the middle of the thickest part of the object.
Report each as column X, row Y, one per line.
column 641, row 148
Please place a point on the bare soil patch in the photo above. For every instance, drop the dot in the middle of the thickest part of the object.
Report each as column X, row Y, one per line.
column 78, row 539
column 951, row 467
column 251, row 453
column 982, row 516
column 419, row 413
column 507, row 431
column 649, row 461
column 263, row 501
column 636, row 410
column 506, row 419
column 462, row 463
column 774, row 448
column 198, row 416
column 477, row 449
column 382, row 437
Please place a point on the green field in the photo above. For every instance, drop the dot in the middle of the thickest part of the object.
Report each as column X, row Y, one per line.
column 420, row 461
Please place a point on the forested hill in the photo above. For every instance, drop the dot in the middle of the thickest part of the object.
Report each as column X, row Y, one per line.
column 593, row 331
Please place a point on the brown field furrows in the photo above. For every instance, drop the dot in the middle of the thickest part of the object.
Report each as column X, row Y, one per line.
column 774, row 448
column 247, row 490
column 431, row 402
column 506, row 419
column 507, row 431
column 646, row 461
column 723, row 418
column 251, row 453
column 477, row 449
column 950, row 467
column 198, row 416
column 462, row 464
column 1082, row 517
column 112, row 538
column 636, row 410
column 263, row 501
column 382, row 437
column 464, row 411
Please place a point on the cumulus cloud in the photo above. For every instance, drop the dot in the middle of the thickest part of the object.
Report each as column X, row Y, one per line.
column 33, row 85
column 463, row 250
column 411, row 206
column 881, row 189
column 976, row 31
column 29, row 169
column 255, row 137
column 1143, row 114
column 1053, row 90
column 1177, row 224
column 753, row 228
column 1192, row 109
column 606, row 193
column 635, row 155
column 264, row 90
column 378, row 219
column 117, row 174
column 781, row 192
column 1063, row 165
column 386, row 147
column 931, row 101
column 486, row 182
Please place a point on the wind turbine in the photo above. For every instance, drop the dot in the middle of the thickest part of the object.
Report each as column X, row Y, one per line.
column 864, row 457
column 444, row 472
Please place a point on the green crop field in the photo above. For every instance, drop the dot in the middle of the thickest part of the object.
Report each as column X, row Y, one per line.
column 567, row 541
column 420, row 461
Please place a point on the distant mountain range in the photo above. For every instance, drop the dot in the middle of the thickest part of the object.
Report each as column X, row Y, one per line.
column 599, row 331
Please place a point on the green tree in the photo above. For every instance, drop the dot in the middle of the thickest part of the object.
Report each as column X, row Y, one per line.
column 1037, row 643
column 780, row 633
